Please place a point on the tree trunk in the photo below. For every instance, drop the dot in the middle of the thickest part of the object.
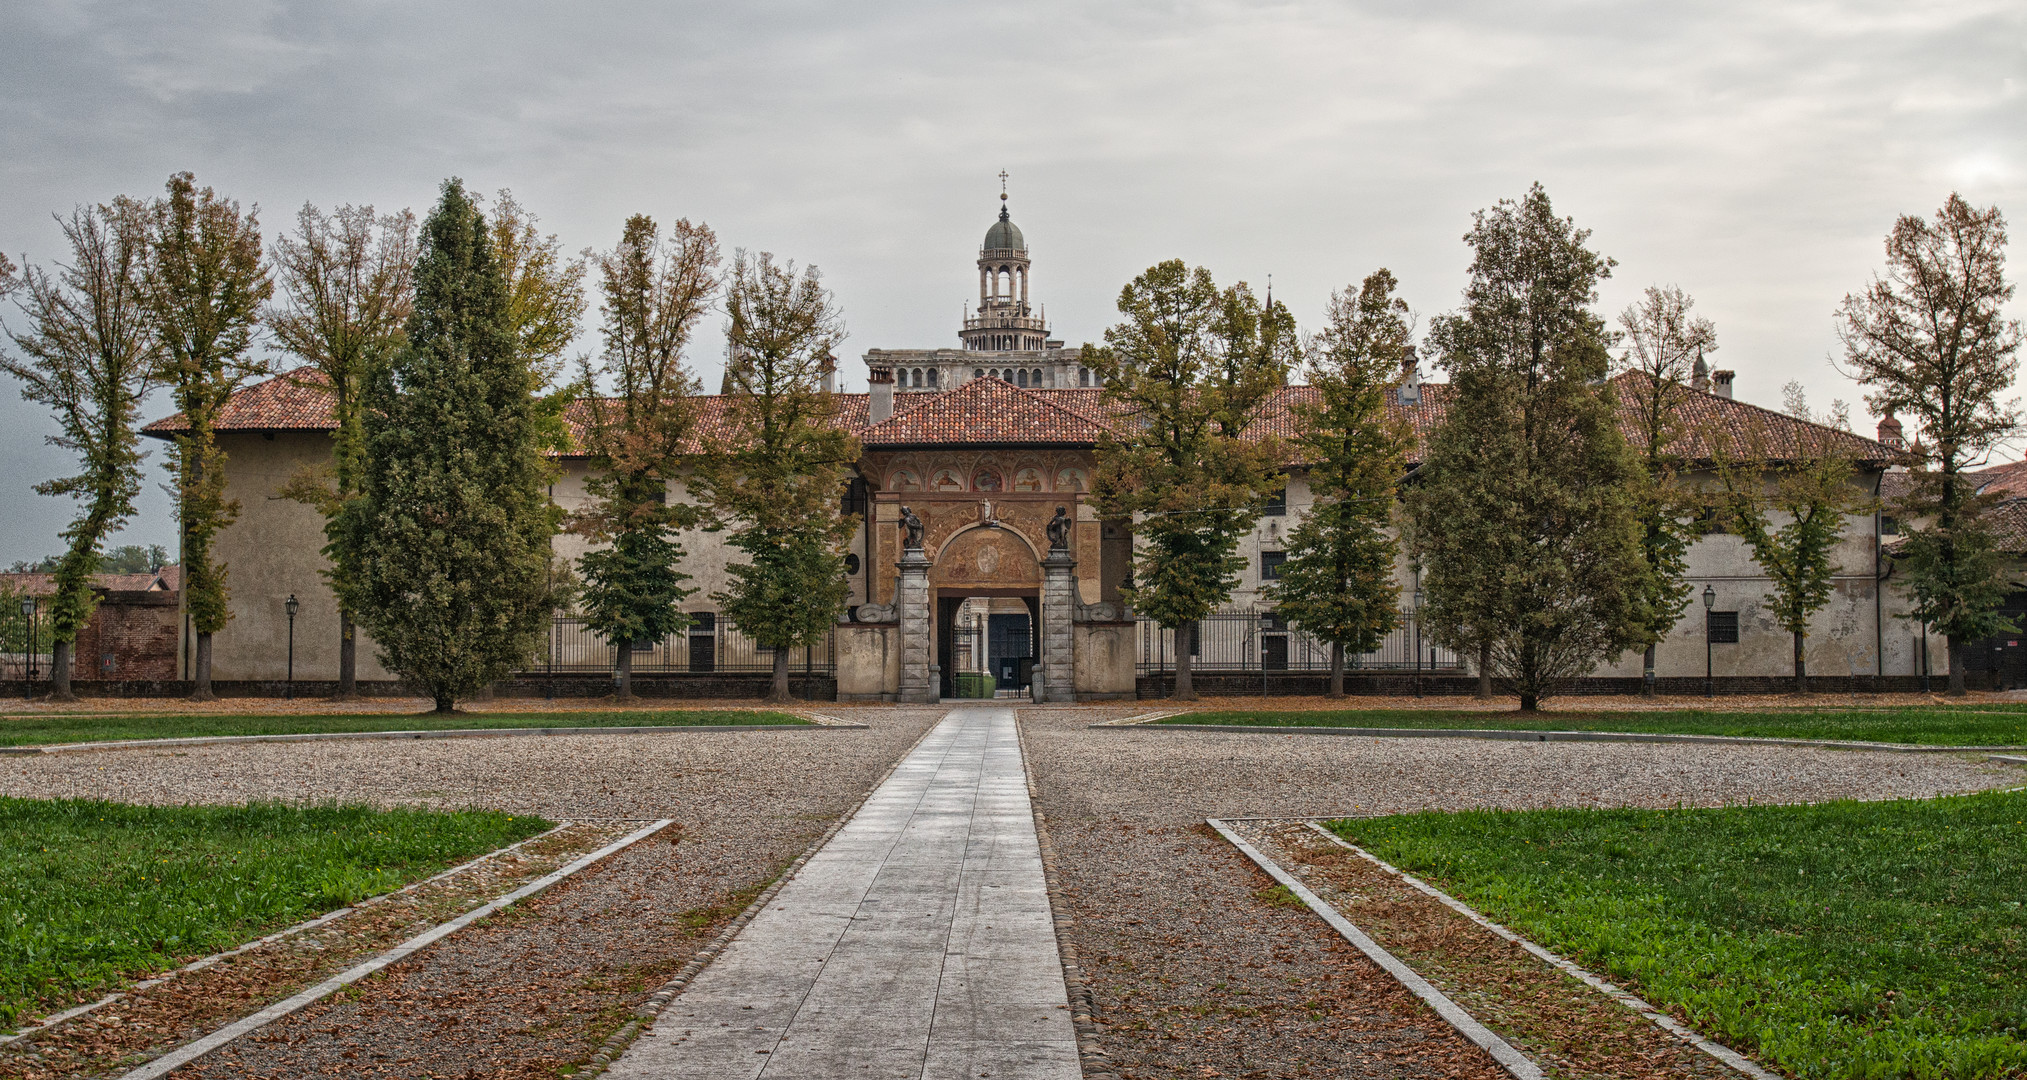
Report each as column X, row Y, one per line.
column 777, row 690
column 1185, row 643
column 59, row 671
column 1647, row 673
column 348, row 659
column 1529, row 702
column 1801, row 666
column 625, row 671
column 444, row 704
column 201, row 690
column 1337, row 669
column 1485, row 671
column 1956, row 666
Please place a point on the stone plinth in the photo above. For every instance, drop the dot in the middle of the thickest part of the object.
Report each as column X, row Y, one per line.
column 911, row 600
column 1059, row 604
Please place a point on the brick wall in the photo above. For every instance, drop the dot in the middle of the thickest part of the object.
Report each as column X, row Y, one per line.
column 132, row 636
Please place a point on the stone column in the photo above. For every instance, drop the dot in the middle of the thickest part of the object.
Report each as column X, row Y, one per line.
column 1059, row 603
column 911, row 603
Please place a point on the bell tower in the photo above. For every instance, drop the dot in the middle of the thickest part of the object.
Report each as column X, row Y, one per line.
column 1005, row 321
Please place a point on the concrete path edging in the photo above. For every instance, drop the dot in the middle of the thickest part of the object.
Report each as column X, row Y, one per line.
column 1512, row 735
column 191, row 1051
column 1667, row 1023
column 447, row 733
column 1510, row 1059
column 325, row 919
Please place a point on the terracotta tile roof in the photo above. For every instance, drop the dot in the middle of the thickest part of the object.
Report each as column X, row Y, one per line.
column 986, row 410
column 39, row 584
column 990, row 410
column 2007, row 479
column 711, row 421
column 1740, row 422
column 297, row 400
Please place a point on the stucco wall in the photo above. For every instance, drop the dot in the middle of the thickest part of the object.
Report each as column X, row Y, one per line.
column 274, row 549
column 1104, row 660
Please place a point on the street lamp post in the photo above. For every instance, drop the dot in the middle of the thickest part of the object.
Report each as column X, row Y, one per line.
column 1709, row 601
column 1418, row 641
column 290, row 605
column 28, row 613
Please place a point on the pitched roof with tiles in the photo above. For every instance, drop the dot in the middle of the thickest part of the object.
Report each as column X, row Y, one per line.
column 985, row 411
column 992, row 411
column 298, row 400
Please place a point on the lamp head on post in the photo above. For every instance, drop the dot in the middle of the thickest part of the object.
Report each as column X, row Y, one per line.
column 1418, row 600
column 28, row 606
column 291, row 604
column 1709, row 598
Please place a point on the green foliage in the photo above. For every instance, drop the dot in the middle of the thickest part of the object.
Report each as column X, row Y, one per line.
column 99, row 892
column 1190, row 364
column 1839, row 940
column 1338, row 582
column 654, row 295
column 452, row 523
column 47, row 728
column 86, row 354
column 1928, row 726
column 974, row 684
column 1811, row 492
column 1665, row 350
column 1525, row 518
column 1931, row 339
column 775, row 473
column 206, row 283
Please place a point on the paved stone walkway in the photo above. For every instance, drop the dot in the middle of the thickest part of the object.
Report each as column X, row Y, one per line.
column 917, row 943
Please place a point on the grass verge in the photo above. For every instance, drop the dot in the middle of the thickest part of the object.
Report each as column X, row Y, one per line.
column 46, row 729
column 95, row 892
column 1921, row 724
column 1841, row 940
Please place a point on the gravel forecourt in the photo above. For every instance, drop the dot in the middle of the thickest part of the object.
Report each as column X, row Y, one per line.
column 536, row 990
column 1199, row 968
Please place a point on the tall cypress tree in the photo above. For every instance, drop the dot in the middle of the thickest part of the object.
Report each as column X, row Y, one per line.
column 1526, row 510
column 452, row 523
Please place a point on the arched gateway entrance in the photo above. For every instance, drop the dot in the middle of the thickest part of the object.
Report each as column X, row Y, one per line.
column 986, row 583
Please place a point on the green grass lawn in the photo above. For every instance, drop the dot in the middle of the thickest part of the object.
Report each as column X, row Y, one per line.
column 1840, row 940
column 1929, row 725
column 35, row 730
column 93, row 892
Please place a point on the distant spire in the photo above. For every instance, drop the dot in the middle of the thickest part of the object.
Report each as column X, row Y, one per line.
column 1002, row 195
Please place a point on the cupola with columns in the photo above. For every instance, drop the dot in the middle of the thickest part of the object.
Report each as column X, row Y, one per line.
column 1005, row 321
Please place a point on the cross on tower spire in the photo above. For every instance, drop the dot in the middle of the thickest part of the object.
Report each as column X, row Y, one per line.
column 1002, row 185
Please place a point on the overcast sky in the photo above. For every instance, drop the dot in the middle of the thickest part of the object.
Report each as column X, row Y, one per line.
column 1754, row 153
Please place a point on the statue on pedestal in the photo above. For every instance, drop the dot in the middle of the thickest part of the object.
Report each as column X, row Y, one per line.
column 1059, row 530
column 911, row 529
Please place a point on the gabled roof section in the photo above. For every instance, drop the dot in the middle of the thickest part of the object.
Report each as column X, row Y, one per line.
column 297, row 400
column 1741, row 424
column 986, row 410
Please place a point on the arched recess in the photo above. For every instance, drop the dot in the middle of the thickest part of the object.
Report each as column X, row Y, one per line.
column 982, row 557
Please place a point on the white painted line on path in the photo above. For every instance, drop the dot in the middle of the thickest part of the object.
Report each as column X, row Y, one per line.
column 1513, row 1061
column 1667, row 1023
column 189, row 1052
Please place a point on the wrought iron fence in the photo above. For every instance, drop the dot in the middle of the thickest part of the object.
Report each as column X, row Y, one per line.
column 713, row 644
column 1260, row 640
column 15, row 666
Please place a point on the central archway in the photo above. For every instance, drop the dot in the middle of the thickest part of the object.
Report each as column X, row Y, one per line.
column 999, row 573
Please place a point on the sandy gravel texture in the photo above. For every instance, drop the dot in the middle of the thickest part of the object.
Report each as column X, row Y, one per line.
column 1199, row 969
column 535, row 990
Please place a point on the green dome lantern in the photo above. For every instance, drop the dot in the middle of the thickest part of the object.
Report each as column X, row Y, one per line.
column 1004, row 234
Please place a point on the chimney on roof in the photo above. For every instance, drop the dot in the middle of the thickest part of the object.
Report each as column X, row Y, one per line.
column 1699, row 375
column 1410, row 392
column 880, row 397
column 1720, row 382
column 1891, row 435
column 830, row 374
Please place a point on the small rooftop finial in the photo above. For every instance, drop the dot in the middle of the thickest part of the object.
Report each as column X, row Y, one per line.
column 1002, row 185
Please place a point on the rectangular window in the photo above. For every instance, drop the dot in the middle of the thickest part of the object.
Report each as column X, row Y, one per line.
column 1889, row 525
column 1270, row 564
column 1277, row 504
column 1722, row 627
